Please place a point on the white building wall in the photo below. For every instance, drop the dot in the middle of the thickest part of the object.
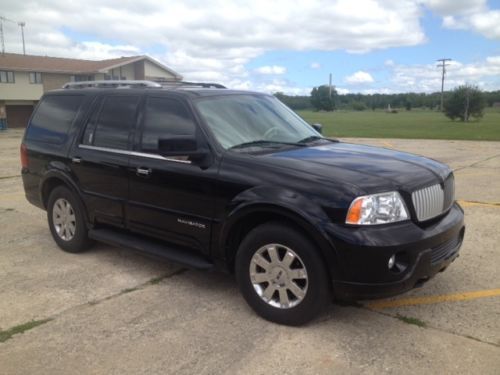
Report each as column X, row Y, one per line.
column 153, row 71
column 128, row 71
column 21, row 89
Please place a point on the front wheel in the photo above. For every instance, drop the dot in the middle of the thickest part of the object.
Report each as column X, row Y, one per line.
column 281, row 275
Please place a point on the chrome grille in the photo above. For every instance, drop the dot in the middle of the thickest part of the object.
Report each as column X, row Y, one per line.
column 449, row 191
column 431, row 201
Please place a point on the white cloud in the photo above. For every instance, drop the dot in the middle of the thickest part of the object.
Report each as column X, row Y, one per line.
column 468, row 14
column 447, row 7
column 427, row 78
column 271, row 69
column 212, row 39
column 216, row 39
column 359, row 77
column 342, row 91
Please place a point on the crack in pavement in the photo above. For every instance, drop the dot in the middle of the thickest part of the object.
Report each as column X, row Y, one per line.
column 430, row 326
column 467, row 203
column 150, row 282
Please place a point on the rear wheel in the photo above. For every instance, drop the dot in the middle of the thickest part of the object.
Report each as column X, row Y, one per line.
column 281, row 274
column 67, row 221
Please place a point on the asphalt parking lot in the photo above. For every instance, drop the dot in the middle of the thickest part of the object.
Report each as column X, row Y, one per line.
column 112, row 311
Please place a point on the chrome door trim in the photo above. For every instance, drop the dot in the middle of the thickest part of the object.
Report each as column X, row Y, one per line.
column 133, row 153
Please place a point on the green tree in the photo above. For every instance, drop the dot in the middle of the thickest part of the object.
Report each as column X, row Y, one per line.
column 359, row 106
column 321, row 99
column 465, row 102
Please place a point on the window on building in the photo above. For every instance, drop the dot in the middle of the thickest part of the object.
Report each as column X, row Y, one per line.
column 6, row 77
column 164, row 118
column 112, row 128
column 109, row 77
column 81, row 78
column 35, row 77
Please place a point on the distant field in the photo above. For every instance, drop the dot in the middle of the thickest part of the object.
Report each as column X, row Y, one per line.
column 404, row 124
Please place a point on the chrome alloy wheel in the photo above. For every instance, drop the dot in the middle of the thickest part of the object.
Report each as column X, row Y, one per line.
column 63, row 217
column 278, row 276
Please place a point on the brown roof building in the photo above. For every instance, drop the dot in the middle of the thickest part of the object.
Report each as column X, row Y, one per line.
column 24, row 78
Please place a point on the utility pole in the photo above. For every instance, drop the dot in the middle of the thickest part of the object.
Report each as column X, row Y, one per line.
column 442, row 65
column 1, row 35
column 330, row 87
column 2, row 38
column 22, row 24
column 467, row 104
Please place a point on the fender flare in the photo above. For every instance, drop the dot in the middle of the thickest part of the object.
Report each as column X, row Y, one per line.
column 59, row 171
column 295, row 207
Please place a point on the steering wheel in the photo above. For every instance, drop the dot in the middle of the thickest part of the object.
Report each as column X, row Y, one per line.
column 270, row 132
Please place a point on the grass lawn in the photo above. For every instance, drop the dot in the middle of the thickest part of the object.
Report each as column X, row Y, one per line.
column 405, row 124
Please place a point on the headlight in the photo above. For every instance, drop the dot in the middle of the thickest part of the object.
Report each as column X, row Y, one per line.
column 377, row 209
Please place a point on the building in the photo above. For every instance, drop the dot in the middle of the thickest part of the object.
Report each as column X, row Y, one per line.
column 24, row 78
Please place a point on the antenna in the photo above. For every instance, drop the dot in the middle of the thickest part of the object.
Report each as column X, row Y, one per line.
column 21, row 25
column 443, row 65
column 2, row 35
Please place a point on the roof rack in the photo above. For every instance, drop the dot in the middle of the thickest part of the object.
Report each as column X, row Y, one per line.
column 205, row 85
column 111, row 84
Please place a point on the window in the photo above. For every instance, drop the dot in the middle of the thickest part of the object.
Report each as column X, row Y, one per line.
column 81, row 78
column 109, row 77
column 112, row 128
column 164, row 117
column 53, row 118
column 6, row 77
column 35, row 77
column 238, row 119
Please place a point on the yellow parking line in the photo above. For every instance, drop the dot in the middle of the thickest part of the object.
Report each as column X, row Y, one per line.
column 464, row 203
column 387, row 144
column 426, row 300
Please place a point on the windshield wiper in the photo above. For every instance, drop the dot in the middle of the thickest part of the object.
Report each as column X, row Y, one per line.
column 265, row 142
column 313, row 138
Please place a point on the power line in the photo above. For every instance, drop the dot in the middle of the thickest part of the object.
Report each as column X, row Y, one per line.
column 442, row 65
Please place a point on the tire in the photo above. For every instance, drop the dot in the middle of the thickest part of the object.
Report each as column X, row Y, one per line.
column 290, row 306
column 67, row 221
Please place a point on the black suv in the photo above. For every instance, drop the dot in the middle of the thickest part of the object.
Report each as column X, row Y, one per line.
column 215, row 178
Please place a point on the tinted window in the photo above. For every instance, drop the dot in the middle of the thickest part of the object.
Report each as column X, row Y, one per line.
column 115, row 120
column 53, row 118
column 164, row 118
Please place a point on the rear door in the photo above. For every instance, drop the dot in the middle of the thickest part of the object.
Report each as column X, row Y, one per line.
column 170, row 198
column 100, row 159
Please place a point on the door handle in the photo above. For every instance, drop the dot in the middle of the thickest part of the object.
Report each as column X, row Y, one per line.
column 76, row 160
column 143, row 171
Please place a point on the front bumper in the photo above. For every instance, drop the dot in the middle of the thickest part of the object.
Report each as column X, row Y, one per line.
column 363, row 253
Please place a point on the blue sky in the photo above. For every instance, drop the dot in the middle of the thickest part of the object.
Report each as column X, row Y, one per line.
column 368, row 45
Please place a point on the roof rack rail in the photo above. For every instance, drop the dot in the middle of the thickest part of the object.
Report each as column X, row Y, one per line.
column 111, row 84
column 205, row 85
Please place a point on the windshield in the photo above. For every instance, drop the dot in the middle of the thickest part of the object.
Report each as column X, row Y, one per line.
column 238, row 121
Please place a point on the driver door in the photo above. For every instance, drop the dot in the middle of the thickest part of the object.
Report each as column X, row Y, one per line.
column 171, row 198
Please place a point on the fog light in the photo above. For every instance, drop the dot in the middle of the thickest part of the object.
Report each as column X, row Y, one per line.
column 392, row 261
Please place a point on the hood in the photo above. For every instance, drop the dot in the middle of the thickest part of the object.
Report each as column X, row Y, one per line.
column 370, row 168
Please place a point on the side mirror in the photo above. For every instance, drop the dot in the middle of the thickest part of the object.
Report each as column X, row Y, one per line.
column 318, row 128
column 181, row 145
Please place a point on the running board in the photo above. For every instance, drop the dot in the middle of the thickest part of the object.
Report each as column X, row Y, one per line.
column 150, row 247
